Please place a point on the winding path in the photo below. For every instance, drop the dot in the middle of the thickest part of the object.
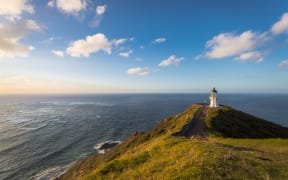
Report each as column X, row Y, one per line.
column 196, row 127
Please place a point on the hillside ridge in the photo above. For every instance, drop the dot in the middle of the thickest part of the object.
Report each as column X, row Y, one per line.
column 169, row 145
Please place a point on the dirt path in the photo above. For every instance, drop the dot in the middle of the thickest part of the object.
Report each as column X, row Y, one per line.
column 196, row 128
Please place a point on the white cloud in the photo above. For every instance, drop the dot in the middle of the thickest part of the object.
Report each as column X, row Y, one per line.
column 159, row 40
column 72, row 7
column 253, row 56
column 283, row 64
column 10, row 36
column 125, row 54
column 139, row 71
column 171, row 61
column 229, row 44
column 118, row 42
column 32, row 25
column 51, row 3
column 101, row 9
column 92, row 44
column 244, row 47
column 12, row 9
column 281, row 26
column 58, row 53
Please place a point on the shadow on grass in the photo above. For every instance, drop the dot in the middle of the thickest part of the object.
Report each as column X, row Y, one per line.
column 228, row 122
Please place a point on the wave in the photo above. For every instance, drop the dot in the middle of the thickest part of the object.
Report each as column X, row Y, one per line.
column 105, row 146
column 38, row 127
column 27, row 127
column 52, row 173
column 53, row 103
column 57, row 120
column 74, row 103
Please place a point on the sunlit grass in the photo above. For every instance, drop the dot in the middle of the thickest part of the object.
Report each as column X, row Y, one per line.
column 159, row 155
column 216, row 158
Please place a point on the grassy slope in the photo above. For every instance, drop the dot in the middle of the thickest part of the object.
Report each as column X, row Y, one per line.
column 157, row 155
column 228, row 122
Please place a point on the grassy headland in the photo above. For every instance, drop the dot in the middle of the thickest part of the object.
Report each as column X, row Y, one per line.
column 239, row 146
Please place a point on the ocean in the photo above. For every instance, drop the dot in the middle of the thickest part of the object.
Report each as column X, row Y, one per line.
column 41, row 136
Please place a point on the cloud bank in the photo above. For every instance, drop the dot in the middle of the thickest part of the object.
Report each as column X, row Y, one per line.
column 11, row 35
column 12, row 9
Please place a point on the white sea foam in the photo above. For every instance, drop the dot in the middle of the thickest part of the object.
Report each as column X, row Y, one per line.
column 99, row 147
column 57, row 120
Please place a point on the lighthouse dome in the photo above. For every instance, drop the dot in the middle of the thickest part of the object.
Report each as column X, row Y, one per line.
column 214, row 90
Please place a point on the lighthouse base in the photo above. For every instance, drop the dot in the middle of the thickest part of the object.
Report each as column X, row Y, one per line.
column 213, row 102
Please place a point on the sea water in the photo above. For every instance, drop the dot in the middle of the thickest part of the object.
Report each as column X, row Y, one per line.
column 41, row 136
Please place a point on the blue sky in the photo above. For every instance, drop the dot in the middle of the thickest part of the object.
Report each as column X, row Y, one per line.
column 124, row 46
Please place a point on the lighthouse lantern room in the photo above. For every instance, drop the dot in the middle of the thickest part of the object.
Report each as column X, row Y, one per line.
column 213, row 98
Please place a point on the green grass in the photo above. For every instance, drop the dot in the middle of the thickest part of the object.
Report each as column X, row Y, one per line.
column 119, row 166
column 216, row 158
column 158, row 155
column 228, row 122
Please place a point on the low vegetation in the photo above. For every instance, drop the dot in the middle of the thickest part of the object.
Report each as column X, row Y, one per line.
column 159, row 155
column 228, row 122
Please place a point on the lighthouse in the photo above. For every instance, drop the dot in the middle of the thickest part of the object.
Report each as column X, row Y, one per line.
column 213, row 98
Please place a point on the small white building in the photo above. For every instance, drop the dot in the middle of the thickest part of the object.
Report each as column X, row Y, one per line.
column 213, row 98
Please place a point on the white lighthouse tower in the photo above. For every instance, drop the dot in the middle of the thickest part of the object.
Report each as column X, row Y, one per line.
column 213, row 98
